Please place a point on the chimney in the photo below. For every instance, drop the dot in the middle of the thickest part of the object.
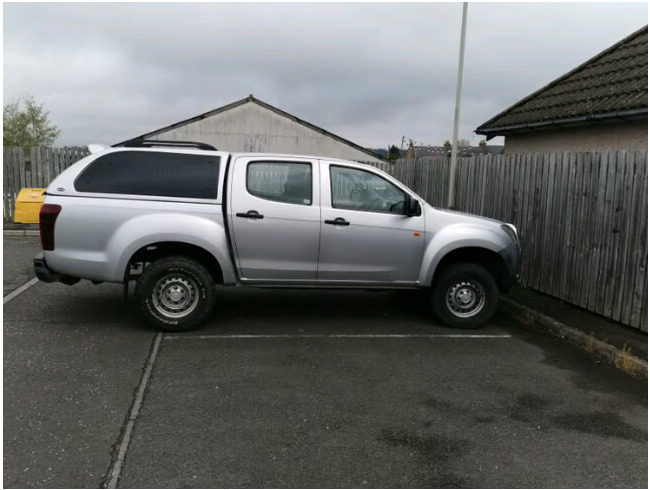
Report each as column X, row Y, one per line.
column 410, row 153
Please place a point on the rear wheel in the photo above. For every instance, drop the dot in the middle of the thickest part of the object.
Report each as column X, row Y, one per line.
column 464, row 295
column 175, row 294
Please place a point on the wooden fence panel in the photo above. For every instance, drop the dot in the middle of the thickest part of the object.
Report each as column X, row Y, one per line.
column 568, row 209
column 639, row 296
column 614, row 208
column 7, row 180
column 598, row 188
column 624, row 234
column 21, row 174
column 56, row 161
column 581, row 217
column 19, row 156
column 34, row 167
column 37, row 169
column 583, row 205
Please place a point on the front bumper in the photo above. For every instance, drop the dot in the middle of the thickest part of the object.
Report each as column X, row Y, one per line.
column 512, row 259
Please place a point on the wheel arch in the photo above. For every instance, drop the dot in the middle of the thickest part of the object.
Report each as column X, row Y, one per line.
column 177, row 231
column 157, row 250
column 490, row 260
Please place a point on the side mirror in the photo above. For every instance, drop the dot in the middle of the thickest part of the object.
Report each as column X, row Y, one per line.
column 412, row 207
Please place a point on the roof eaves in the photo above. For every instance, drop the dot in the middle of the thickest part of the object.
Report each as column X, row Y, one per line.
column 485, row 125
column 625, row 115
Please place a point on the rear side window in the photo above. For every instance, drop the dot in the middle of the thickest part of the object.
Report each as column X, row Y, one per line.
column 152, row 174
column 288, row 182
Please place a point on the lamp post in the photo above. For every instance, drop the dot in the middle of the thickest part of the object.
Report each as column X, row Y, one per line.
column 459, row 83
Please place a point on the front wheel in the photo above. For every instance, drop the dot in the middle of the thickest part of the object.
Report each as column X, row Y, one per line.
column 175, row 294
column 464, row 295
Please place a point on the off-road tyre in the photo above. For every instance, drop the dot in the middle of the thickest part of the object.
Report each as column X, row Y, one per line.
column 175, row 294
column 464, row 295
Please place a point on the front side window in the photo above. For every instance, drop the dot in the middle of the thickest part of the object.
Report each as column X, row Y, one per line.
column 152, row 174
column 364, row 191
column 288, row 182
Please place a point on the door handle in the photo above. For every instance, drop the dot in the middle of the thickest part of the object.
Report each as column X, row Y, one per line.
column 252, row 214
column 337, row 222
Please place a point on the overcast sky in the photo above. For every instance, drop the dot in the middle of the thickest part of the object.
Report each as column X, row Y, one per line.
column 369, row 72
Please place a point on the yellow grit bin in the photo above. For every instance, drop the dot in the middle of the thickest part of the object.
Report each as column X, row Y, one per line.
column 28, row 205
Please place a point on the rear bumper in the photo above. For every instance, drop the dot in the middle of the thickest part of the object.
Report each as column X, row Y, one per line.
column 43, row 273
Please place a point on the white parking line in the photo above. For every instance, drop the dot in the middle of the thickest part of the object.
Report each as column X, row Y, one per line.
column 21, row 289
column 340, row 336
column 124, row 445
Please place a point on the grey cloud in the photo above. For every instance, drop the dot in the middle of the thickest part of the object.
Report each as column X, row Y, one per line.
column 368, row 72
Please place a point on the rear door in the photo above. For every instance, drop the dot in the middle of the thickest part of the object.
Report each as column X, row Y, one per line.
column 365, row 235
column 275, row 218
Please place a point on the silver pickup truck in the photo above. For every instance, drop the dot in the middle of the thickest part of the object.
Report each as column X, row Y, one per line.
column 182, row 218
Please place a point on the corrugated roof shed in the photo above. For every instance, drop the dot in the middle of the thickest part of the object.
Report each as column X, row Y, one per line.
column 611, row 85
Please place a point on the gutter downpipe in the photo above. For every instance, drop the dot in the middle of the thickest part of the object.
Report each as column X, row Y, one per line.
column 454, row 148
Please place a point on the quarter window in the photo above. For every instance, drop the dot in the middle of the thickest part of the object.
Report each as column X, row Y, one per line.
column 152, row 173
column 364, row 191
column 288, row 182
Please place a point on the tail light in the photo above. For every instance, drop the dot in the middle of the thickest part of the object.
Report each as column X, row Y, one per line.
column 47, row 218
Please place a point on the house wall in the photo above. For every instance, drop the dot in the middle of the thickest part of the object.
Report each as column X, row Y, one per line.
column 630, row 135
column 252, row 128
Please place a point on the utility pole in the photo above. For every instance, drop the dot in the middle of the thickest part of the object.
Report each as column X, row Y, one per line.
column 459, row 84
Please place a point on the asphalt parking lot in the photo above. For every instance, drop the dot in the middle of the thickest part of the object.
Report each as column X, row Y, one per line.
column 301, row 389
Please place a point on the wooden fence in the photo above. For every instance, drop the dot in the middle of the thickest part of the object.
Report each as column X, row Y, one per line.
column 37, row 170
column 582, row 217
column 582, row 220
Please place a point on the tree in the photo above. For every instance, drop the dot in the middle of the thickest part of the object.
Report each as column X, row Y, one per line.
column 393, row 153
column 26, row 124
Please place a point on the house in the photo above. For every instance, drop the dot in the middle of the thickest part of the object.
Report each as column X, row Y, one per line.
column 250, row 125
column 464, row 151
column 602, row 104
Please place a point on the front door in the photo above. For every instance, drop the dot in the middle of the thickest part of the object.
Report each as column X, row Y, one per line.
column 274, row 215
column 365, row 235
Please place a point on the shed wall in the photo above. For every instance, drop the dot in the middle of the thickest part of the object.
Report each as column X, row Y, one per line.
column 251, row 128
